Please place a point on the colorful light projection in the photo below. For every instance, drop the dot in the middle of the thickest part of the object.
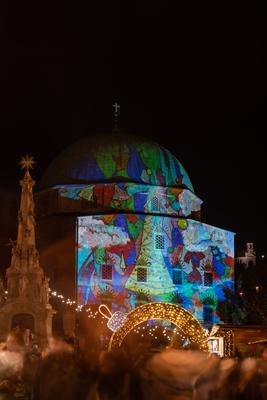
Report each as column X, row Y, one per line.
column 124, row 158
column 125, row 260
column 135, row 197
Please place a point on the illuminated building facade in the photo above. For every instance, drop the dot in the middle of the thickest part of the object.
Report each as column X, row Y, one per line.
column 120, row 223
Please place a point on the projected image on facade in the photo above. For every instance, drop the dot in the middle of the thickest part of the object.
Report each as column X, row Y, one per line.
column 135, row 197
column 139, row 235
column 128, row 259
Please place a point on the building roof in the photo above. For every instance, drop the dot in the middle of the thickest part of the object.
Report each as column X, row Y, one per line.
column 113, row 158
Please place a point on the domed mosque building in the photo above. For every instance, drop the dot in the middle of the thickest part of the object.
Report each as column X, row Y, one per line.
column 119, row 223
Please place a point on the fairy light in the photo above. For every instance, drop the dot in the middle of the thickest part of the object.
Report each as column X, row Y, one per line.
column 122, row 324
column 156, row 331
column 162, row 311
column 63, row 299
column 69, row 302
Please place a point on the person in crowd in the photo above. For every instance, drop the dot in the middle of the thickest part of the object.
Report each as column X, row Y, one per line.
column 32, row 359
column 171, row 374
column 118, row 378
column 69, row 372
column 11, row 367
column 61, row 374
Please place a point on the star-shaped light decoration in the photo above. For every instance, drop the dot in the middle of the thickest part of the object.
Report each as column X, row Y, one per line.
column 27, row 162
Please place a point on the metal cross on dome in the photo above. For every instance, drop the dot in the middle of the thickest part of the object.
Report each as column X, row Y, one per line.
column 27, row 162
column 116, row 113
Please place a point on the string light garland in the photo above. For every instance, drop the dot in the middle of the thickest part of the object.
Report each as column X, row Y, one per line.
column 63, row 299
column 122, row 324
column 117, row 320
column 166, row 312
column 78, row 308
column 67, row 301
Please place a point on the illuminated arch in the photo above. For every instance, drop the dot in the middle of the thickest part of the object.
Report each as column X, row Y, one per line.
column 183, row 319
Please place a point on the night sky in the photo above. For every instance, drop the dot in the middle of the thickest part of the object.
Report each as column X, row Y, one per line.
column 191, row 76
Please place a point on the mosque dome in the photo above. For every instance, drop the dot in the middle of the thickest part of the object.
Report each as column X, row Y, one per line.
column 115, row 158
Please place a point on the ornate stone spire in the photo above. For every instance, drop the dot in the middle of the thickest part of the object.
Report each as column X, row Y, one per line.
column 25, row 255
column 27, row 302
column 25, row 258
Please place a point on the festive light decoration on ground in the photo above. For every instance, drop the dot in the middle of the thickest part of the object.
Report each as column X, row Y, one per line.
column 166, row 312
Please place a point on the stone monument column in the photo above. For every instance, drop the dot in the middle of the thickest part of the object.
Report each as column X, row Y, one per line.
column 27, row 299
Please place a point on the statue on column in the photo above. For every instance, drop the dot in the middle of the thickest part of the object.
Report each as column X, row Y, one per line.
column 45, row 291
column 12, row 287
column 2, row 290
column 20, row 219
column 31, row 217
column 23, row 281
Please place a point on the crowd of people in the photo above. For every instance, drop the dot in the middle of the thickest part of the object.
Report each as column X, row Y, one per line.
column 68, row 371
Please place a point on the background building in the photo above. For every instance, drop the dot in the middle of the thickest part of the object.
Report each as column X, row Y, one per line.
column 119, row 223
column 251, row 290
column 247, row 257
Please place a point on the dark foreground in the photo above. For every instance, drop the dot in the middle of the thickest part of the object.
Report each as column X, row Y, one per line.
column 69, row 373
